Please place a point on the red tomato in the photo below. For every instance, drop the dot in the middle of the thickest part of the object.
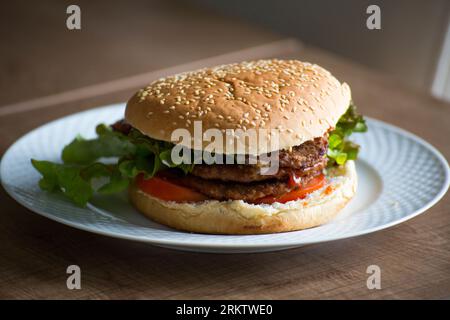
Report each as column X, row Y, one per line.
column 298, row 193
column 164, row 189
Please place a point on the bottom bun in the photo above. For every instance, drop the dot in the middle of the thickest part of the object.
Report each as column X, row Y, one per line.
column 239, row 217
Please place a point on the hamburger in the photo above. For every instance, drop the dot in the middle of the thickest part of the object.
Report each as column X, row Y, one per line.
column 301, row 113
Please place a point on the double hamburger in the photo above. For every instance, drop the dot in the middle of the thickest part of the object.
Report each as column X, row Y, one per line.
column 308, row 111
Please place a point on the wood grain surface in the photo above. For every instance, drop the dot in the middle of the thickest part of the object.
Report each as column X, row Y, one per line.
column 414, row 257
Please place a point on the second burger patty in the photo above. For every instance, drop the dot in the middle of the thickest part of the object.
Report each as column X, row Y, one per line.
column 244, row 181
column 249, row 192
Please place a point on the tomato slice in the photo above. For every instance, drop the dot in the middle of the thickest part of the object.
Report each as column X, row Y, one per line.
column 162, row 188
column 299, row 193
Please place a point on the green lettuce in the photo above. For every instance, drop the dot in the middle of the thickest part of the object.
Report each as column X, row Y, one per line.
column 108, row 143
column 134, row 154
column 76, row 181
column 340, row 148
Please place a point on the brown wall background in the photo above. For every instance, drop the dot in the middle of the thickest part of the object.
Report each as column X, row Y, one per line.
column 40, row 56
column 407, row 46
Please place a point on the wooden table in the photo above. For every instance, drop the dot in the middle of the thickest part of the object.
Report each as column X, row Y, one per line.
column 414, row 257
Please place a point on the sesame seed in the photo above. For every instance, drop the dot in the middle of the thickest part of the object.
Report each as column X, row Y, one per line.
column 294, row 74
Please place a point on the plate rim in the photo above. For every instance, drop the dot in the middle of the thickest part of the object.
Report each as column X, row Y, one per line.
column 203, row 244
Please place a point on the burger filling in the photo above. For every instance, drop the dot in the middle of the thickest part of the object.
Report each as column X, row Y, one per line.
column 147, row 162
column 297, row 168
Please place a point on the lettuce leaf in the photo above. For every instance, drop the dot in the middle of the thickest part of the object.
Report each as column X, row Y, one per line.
column 340, row 148
column 76, row 181
column 109, row 143
column 135, row 153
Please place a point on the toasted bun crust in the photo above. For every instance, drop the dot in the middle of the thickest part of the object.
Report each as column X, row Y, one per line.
column 299, row 100
column 239, row 217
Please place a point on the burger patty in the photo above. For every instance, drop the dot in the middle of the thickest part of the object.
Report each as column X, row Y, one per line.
column 305, row 155
column 122, row 126
column 245, row 182
column 302, row 160
column 250, row 173
column 221, row 190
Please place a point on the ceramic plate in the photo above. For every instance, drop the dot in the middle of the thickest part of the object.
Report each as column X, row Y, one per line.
column 400, row 176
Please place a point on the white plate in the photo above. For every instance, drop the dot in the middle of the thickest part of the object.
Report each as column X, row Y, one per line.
column 400, row 176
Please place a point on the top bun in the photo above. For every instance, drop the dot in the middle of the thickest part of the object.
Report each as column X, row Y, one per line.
column 301, row 101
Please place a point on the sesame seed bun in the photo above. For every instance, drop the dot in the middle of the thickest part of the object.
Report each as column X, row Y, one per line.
column 299, row 100
column 239, row 217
